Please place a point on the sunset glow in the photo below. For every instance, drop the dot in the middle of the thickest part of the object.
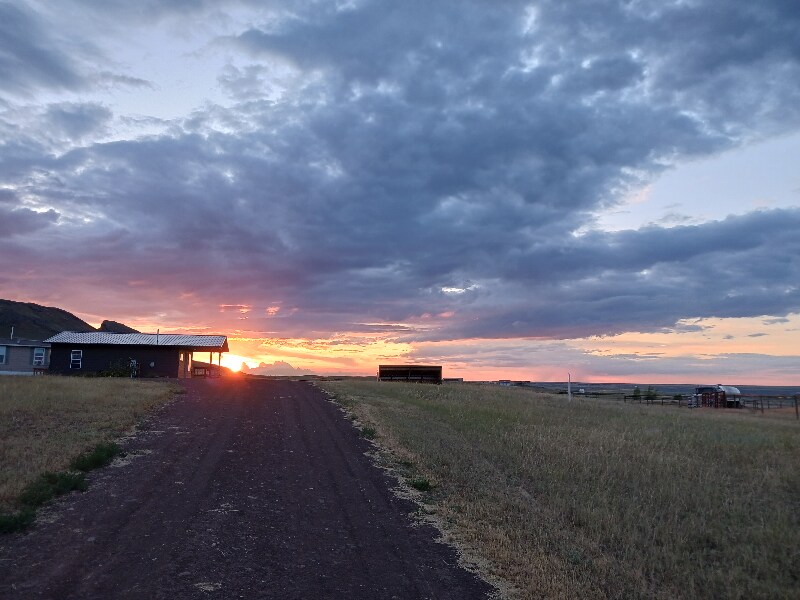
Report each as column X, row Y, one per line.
column 612, row 195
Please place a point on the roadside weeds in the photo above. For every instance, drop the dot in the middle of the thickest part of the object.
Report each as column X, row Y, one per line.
column 54, row 430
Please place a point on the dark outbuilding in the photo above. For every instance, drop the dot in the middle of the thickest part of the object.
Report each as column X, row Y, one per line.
column 415, row 373
column 155, row 355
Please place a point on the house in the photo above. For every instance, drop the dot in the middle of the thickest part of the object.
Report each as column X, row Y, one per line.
column 415, row 373
column 145, row 354
column 23, row 357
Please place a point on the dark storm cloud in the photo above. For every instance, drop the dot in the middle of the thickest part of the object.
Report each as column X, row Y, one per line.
column 40, row 52
column 423, row 169
column 18, row 221
column 28, row 58
column 776, row 321
column 22, row 220
column 77, row 120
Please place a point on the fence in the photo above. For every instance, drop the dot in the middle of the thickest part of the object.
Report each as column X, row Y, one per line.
column 760, row 403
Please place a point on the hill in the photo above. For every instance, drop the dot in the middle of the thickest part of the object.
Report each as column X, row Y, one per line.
column 36, row 322
column 114, row 327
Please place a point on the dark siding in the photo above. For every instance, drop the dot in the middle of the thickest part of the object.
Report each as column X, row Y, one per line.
column 98, row 358
column 418, row 373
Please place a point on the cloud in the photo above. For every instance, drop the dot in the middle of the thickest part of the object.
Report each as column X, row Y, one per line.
column 29, row 57
column 277, row 368
column 240, row 308
column 552, row 360
column 77, row 120
column 21, row 221
column 776, row 321
column 374, row 158
column 107, row 79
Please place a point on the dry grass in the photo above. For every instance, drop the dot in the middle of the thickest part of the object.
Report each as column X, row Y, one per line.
column 596, row 499
column 46, row 422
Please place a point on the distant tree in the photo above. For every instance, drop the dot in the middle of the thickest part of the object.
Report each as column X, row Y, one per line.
column 650, row 395
column 637, row 393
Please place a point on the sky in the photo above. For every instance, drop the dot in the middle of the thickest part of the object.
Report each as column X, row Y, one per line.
column 515, row 190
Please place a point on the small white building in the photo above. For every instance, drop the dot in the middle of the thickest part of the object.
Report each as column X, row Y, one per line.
column 19, row 356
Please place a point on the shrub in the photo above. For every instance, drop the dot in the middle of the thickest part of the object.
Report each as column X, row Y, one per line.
column 100, row 456
column 50, row 485
column 421, row 484
column 11, row 522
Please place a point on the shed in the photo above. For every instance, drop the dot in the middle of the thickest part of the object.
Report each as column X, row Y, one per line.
column 152, row 354
column 415, row 373
column 19, row 356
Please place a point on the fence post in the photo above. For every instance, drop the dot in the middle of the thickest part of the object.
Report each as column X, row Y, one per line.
column 796, row 410
column 762, row 404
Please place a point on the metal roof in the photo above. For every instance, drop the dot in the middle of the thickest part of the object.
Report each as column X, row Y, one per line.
column 216, row 343
column 23, row 342
column 730, row 390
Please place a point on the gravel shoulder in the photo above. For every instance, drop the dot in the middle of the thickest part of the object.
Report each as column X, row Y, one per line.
column 237, row 489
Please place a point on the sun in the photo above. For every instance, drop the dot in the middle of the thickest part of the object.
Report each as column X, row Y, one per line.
column 234, row 361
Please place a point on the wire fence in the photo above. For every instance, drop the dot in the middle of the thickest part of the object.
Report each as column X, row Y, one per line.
column 761, row 403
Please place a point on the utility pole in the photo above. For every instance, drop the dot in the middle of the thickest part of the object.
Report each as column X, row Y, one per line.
column 569, row 386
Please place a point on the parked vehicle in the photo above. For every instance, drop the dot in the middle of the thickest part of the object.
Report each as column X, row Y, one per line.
column 717, row 396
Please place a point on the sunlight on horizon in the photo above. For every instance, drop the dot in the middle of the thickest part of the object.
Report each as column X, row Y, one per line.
column 712, row 345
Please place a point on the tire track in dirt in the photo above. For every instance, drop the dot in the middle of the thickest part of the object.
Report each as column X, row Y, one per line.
column 238, row 489
column 399, row 548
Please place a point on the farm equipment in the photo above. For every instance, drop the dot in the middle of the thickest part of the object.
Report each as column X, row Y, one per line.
column 716, row 396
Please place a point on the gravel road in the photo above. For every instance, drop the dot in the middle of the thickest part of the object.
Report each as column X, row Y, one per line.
column 237, row 489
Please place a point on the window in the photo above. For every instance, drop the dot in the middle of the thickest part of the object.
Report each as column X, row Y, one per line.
column 2, row 355
column 76, row 359
column 38, row 357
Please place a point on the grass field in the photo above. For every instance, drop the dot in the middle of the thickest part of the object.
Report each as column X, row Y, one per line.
column 46, row 422
column 594, row 499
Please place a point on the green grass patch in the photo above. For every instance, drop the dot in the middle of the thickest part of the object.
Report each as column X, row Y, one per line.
column 42, row 490
column 421, row 484
column 16, row 521
column 369, row 432
column 99, row 456
column 50, row 485
column 600, row 499
column 46, row 423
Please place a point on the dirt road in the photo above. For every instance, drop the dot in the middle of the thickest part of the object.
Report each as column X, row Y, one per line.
column 238, row 489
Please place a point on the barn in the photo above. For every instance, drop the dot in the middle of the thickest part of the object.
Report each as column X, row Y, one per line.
column 415, row 373
column 155, row 355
